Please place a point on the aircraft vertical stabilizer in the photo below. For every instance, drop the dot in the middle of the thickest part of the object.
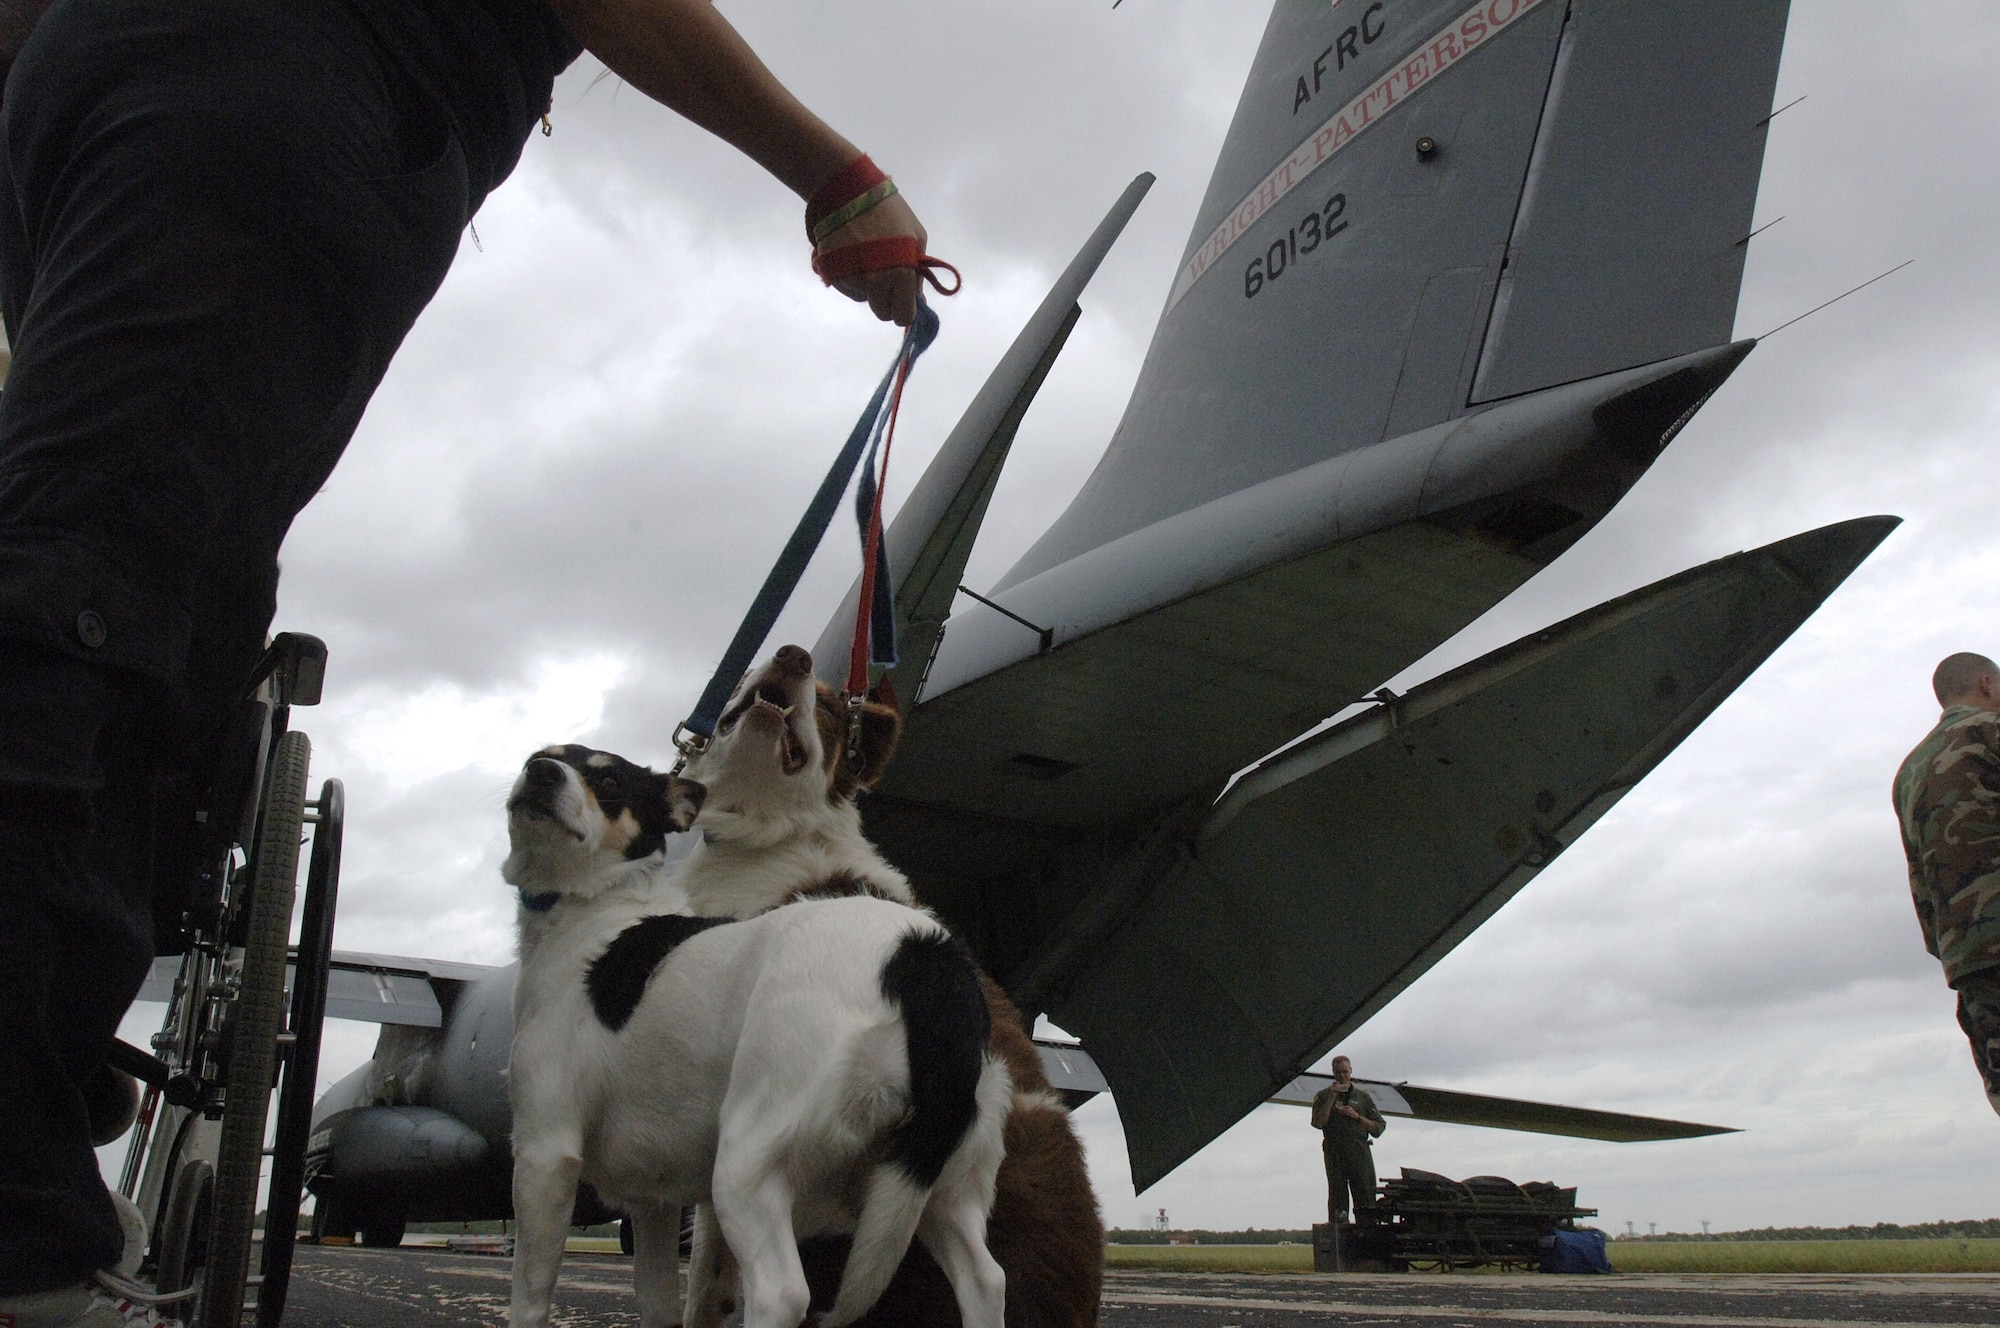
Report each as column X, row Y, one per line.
column 1392, row 167
column 1463, row 270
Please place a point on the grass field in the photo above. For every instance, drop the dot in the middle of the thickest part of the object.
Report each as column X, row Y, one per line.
column 1211, row 1258
column 1807, row 1256
column 1777, row 1256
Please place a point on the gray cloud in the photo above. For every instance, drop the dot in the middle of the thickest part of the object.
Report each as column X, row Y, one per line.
column 598, row 436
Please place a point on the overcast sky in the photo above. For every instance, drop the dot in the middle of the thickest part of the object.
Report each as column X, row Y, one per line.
column 593, row 443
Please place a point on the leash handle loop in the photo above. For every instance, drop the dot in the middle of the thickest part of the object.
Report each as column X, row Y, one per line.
column 851, row 260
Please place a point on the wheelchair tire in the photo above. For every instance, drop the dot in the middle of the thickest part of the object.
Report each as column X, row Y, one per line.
column 260, row 1015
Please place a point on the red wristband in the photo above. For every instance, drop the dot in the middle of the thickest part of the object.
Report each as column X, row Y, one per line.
column 853, row 180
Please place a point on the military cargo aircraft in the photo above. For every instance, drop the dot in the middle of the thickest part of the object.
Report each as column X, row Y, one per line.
column 421, row 1132
column 1461, row 274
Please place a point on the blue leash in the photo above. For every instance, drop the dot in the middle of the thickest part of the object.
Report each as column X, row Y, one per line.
column 698, row 728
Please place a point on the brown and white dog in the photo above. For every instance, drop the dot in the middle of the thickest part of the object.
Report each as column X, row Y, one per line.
column 780, row 824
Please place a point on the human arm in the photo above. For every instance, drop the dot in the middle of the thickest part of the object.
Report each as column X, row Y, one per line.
column 1367, row 1115
column 686, row 56
column 1920, row 896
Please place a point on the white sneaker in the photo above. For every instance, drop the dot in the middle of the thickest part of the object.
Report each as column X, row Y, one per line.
column 133, row 1223
column 79, row 1307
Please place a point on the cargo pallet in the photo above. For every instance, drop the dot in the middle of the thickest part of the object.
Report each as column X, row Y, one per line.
column 1424, row 1222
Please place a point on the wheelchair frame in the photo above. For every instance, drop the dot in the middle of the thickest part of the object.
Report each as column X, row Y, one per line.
column 231, row 1037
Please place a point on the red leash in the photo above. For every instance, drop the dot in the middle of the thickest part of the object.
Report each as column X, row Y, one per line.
column 871, row 551
column 859, row 186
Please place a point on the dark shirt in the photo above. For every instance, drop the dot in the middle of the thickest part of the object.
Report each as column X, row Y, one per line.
column 172, row 406
column 491, row 64
column 1343, row 1129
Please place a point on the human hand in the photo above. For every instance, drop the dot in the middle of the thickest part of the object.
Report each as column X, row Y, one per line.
column 890, row 292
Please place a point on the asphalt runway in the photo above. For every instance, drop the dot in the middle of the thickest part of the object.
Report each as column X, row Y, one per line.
column 418, row 1287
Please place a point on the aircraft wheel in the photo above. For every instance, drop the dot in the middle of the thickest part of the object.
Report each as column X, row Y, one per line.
column 333, row 1218
column 382, row 1230
column 260, row 1012
column 625, row 1235
column 181, row 1247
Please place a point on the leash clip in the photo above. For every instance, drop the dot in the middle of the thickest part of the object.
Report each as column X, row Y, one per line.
column 689, row 744
column 855, row 756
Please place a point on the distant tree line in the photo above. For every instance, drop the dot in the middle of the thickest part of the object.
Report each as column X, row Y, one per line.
column 1970, row 1229
column 1152, row 1236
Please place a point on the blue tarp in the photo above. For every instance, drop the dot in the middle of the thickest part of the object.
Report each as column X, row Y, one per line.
column 1574, row 1252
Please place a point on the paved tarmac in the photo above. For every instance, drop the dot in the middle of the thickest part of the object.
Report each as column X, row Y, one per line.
column 417, row 1287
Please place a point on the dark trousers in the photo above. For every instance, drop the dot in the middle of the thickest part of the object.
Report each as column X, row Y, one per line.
column 220, row 219
column 75, row 943
column 1350, row 1169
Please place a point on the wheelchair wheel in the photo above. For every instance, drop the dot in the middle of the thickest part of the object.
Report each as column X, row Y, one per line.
column 259, row 1016
column 295, row 1091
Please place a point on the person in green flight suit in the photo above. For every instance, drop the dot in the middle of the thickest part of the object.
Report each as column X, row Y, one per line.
column 1947, row 798
column 1348, row 1123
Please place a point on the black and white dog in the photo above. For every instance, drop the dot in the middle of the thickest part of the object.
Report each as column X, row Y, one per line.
column 781, row 824
column 818, row 1069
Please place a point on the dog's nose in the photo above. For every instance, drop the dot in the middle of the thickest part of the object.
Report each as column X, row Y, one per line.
column 543, row 772
column 794, row 660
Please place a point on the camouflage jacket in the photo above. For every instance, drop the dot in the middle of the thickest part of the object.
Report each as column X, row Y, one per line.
column 1948, row 799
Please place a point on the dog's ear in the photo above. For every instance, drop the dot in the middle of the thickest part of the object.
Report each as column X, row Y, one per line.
column 682, row 799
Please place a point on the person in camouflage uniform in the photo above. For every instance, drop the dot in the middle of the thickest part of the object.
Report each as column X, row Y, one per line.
column 1948, row 799
column 1349, row 1122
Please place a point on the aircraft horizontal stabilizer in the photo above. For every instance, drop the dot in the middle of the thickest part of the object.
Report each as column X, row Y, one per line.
column 1073, row 1073
column 1341, row 869
column 1449, row 1107
column 932, row 536
column 1186, row 650
column 368, row 988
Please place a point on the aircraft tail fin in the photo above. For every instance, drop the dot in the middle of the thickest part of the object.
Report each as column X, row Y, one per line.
column 1426, row 205
column 932, row 536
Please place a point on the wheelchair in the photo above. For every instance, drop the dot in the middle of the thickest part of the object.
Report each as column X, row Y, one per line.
column 237, row 1035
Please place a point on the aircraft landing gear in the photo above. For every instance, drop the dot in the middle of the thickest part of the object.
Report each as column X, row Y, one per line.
column 382, row 1229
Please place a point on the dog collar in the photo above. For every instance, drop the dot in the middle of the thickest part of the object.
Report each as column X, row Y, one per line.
column 540, row 903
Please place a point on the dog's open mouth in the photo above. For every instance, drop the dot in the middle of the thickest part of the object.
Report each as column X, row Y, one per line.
column 527, row 805
column 771, row 699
